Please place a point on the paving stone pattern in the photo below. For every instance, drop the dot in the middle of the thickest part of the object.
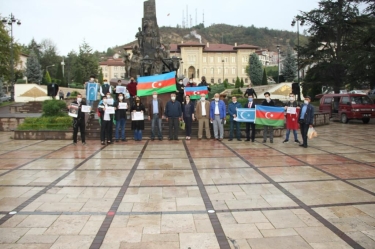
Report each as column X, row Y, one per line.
column 154, row 194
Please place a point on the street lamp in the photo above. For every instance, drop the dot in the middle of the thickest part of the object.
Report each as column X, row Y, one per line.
column 223, row 70
column 10, row 20
column 299, row 22
column 278, row 64
column 63, row 65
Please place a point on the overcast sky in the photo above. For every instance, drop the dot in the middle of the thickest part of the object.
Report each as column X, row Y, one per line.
column 106, row 23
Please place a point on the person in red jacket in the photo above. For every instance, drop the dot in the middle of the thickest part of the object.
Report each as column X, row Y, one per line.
column 132, row 89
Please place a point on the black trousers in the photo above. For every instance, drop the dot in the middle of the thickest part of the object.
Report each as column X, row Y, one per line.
column 106, row 130
column 252, row 126
column 79, row 124
column 188, row 123
column 174, row 126
column 304, row 129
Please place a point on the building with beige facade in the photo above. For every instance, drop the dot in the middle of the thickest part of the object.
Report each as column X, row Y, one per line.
column 215, row 61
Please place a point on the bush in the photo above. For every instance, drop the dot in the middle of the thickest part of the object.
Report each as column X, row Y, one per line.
column 74, row 94
column 21, row 81
column 54, row 108
column 46, row 123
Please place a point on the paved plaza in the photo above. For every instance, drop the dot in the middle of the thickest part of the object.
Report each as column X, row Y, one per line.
column 154, row 194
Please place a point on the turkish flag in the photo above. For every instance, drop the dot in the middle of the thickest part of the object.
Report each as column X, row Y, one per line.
column 292, row 121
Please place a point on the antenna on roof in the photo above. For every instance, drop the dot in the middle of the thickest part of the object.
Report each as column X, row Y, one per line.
column 183, row 19
column 196, row 17
column 203, row 17
column 191, row 20
column 187, row 16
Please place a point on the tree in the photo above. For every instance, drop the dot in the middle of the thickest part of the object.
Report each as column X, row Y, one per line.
column 289, row 70
column 86, row 64
column 110, row 52
column 59, row 75
column 255, row 70
column 264, row 80
column 33, row 69
column 5, row 53
column 47, row 78
column 100, row 77
column 238, row 83
column 331, row 27
column 242, row 83
column 225, row 84
column 48, row 54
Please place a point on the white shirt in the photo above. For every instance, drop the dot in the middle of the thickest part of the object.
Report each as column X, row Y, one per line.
column 217, row 108
column 203, row 108
column 107, row 117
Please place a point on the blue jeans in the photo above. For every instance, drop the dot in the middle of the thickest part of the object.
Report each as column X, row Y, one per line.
column 120, row 125
column 138, row 135
column 238, row 131
column 288, row 133
column 156, row 121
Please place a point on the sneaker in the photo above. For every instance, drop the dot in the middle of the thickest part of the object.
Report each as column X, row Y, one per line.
column 285, row 141
column 84, row 143
column 297, row 142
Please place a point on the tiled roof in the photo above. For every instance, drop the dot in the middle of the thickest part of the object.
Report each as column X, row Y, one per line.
column 242, row 46
column 219, row 48
column 112, row 62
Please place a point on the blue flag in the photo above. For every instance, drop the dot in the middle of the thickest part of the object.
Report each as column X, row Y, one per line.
column 91, row 91
column 246, row 115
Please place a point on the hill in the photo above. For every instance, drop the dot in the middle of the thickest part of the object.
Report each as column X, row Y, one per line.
column 227, row 34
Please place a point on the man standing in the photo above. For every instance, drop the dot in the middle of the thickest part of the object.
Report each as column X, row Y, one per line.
column 217, row 116
column 292, row 119
column 118, row 84
column 61, row 94
column 306, row 119
column 250, row 104
column 250, row 91
column 155, row 111
column 173, row 113
column 79, row 121
column 204, row 83
column 180, row 91
column 91, row 92
column 105, row 89
column 132, row 89
column 268, row 129
column 202, row 113
column 232, row 108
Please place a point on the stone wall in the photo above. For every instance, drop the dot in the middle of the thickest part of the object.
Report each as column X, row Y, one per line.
column 10, row 124
column 321, row 119
column 43, row 135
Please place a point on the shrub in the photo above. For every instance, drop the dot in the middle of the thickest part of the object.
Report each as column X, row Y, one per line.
column 21, row 81
column 74, row 94
column 54, row 108
column 46, row 123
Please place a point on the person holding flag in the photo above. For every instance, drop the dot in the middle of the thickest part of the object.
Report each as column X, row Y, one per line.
column 204, row 83
column 79, row 122
column 233, row 106
column 147, row 85
column 267, row 129
column 191, row 84
column 292, row 118
column 91, row 91
column 249, row 125
column 106, row 118
column 180, row 91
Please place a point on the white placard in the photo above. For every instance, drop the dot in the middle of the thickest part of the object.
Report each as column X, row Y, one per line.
column 110, row 110
column 137, row 116
column 73, row 110
column 122, row 105
column 120, row 89
column 291, row 110
column 85, row 108
column 109, row 101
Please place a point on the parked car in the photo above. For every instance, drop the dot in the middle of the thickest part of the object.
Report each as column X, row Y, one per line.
column 4, row 98
column 358, row 92
column 344, row 107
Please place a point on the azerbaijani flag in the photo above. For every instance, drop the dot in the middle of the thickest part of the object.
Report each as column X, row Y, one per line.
column 269, row 115
column 195, row 92
column 163, row 83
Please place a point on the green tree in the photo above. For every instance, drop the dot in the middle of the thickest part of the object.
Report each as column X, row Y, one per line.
column 100, row 77
column 264, row 80
column 33, row 69
column 238, row 83
column 242, row 83
column 255, row 70
column 225, row 84
column 5, row 53
column 110, row 52
column 331, row 27
column 48, row 54
column 47, row 78
column 86, row 64
column 59, row 75
column 272, row 72
column 289, row 70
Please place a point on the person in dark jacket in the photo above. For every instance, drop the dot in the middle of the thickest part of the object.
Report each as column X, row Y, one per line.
column 250, row 91
column 106, row 119
column 204, row 83
column 105, row 88
column 173, row 114
column 306, row 119
column 268, row 129
column 155, row 115
column 180, row 91
column 132, row 89
column 120, row 117
column 79, row 122
column 250, row 104
column 138, row 125
column 232, row 109
column 188, row 116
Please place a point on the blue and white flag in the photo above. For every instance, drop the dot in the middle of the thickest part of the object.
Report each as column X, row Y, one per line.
column 91, row 91
column 246, row 115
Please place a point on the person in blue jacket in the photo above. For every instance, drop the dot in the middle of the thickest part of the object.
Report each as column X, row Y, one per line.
column 306, row 119
column 232, row 108
column 217, row 116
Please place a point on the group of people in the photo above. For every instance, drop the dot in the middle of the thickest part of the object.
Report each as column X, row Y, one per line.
column 114, row 111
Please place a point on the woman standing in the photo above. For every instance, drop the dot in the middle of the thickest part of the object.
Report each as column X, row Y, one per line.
column 106, row 119
column 120, row 116
column 138, row 125
column 188, row 115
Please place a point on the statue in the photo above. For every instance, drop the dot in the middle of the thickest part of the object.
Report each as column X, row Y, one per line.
column 140, row 36
column 127, row 64
column 158, row 63
column 167, row 50
column 146, row 69
column 136, row 60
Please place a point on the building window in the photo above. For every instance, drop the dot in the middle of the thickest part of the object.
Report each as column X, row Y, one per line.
column 233, row 80
column 226, row 59
column 212, row 80
column 233, row 59
column 204, row 71
column 234, row 70
column 218, row 59
column 243, row 70
column 226, row 70
column 212, row 70
column 246, row 80
column 116, row 75
column 220, row 81
column 204, row 59
column 106, row 75
column 218, row 70
column 211, row 59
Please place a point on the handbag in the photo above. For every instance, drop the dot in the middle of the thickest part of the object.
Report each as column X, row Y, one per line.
column 182, row 125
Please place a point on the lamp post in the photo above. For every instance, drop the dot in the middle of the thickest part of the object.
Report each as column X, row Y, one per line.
column 223, row 70
column 294, row 21
column 10, row 20
column 278, row 64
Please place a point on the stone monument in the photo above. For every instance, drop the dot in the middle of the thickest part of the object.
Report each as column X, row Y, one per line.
column 150, row 57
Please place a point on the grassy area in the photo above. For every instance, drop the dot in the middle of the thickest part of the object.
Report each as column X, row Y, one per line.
column 46, row 123
column 5, row 103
